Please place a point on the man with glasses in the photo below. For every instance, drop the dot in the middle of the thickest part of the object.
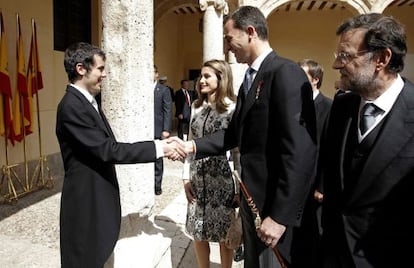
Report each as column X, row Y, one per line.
column 367, row 157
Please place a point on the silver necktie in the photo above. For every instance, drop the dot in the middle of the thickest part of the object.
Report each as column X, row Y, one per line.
column 367, row 116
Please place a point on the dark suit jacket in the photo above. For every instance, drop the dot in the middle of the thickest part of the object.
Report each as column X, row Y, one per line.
column 181, row 105
column 274, row 128
column 90, row 212
column 369, row 224
column 309, row 233
column 162, row 110
column 322, row 108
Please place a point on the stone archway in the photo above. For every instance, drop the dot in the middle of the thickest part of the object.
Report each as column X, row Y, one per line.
column 355, row 6
column 380, row 5
column 161, row 7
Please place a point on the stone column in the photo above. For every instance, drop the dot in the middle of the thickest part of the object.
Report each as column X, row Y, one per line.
column 213, row 28
column 127, row 100
column 238, row 70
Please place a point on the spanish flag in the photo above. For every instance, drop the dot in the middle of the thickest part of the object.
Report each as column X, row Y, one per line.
column 34, row 74
column 6, row 119
column 22, row 116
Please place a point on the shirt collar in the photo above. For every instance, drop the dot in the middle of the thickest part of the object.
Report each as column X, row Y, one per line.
column 388, row 98
column 258, row 61
column 315, row 93
column 84, row 92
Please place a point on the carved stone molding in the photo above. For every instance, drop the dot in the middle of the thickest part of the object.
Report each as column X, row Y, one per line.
column 218, row 5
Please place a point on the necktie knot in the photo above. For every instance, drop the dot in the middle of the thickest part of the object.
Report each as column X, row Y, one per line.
column 248, row 79
column 95, row 104
column 368, row 114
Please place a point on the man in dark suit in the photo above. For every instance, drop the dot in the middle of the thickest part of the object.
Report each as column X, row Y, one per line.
column 274, row 127
column 162, row 124
column 314, row 72
column 163, row 81
column 90, row 213
column 183, row 100
column 367, row 157
column 310, row 230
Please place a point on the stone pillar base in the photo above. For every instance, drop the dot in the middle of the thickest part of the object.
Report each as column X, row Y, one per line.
column 141, row 244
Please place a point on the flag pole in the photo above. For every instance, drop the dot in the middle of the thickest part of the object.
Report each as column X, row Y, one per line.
column 26, row 168
column 7, row 170
column 37, row 94
column 42, row 163
column 6, row 174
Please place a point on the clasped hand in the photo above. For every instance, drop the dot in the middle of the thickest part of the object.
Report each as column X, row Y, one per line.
column 177, row 149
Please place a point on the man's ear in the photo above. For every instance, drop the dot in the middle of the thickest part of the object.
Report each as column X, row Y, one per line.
column 315, row 81
column 80, row 69
column 250, row 31
column 383, row 59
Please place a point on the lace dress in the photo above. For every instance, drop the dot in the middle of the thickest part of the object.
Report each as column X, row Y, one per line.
column 208, row 219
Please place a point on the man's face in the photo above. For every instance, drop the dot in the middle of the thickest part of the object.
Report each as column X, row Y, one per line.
column 92, row 80
column 236, row 41
column 355, row 64
column 185, row 84
column 312, row 80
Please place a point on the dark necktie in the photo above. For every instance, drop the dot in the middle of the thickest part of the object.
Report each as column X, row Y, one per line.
column 248, row 79
column 367, row 116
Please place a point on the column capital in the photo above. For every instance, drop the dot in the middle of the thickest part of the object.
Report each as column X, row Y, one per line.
column 220, row 5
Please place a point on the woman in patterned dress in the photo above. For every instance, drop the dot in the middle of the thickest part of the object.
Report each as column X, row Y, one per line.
column 208, row 182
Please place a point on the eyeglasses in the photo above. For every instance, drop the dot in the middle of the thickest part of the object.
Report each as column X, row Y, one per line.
column 346, row 57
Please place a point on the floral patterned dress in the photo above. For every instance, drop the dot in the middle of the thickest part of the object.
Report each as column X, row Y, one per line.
column 208, row 219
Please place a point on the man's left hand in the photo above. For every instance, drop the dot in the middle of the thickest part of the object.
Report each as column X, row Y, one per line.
column 270, row 232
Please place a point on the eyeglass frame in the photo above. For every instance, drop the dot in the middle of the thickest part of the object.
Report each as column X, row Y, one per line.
column 346, row 57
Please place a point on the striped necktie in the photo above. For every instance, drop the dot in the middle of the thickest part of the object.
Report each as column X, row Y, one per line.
column 248, row 79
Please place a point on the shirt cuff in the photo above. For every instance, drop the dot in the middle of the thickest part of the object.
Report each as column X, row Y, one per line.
column 158, row 149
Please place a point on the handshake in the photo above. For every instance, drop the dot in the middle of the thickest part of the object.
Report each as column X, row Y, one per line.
column 176, row 149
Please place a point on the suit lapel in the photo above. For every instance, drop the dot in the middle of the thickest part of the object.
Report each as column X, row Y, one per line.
column 99, row 118
column 251, row 95
column 318, row 101
column 105, row 125
column 349, row 139
column 237, row 111
column 390, row 141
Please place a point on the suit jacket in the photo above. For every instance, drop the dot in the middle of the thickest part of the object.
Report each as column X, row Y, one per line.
column 322, row 108
column 90, row 212
column 162, row 110
column 309, row 233
column 181, row 105
column 275, row 130
column 368, row 225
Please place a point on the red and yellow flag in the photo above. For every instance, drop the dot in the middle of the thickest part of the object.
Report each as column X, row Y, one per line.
column 6, row 119
column 23, row 105
column 34, row 74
